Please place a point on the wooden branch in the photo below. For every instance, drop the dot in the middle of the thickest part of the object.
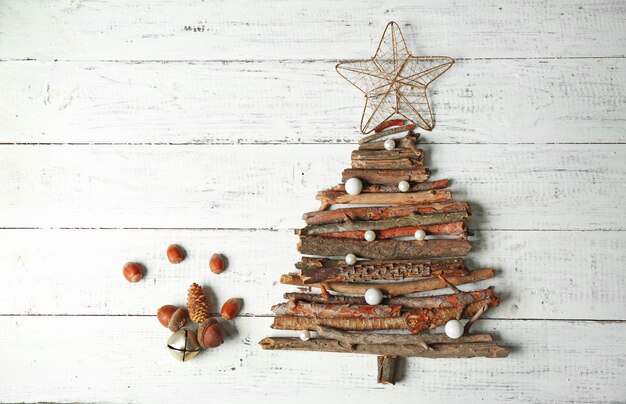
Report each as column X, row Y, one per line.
column 416, row 187
column 365, row 271
column 387, row 369
column 353, row 338
column 389, row 177
column 387, row 154
column 449, row 229
column 387, row 132
column 460, row 299
column 318, row 298
column 420, row 320
column 398, row 198
column 403, row 142
column 384, row 249
column 392, row 164
column 305, row 309
column 453, row 350
column 412, row 219
column 380, row 213
column 396, row 288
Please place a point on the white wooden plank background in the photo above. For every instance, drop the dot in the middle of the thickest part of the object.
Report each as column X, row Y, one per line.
column 121, row 132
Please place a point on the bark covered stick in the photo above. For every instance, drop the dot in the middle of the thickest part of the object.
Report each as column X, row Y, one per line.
column 384, row 249
column 387, row 132
column 453, row 350
column 396, row 288
column 365, row 271
column 391, row 164
column 402, row 142
column 397, row 339
column 448, row 229
column 387, row 369
column 388, row 177
column 412, row 219
column 305, row 309
column 397, row 198
column 387, row 154
column 378, row 188
column 379, row 213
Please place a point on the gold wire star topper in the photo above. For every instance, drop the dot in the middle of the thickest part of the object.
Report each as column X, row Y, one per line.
column 394, row 81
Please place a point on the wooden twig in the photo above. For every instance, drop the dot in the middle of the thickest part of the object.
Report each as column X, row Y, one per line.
column 387, row 154
column 305, row 309
column 389, row 177
column 387, row 132
column 454, row 350
column 365, row 271
column 415, row 187
column 449, row 229
column 384, row 249
column 403, row 142
column 397, row 288
column 397, row 198
column 353, row 338
column 383, row 164
column 387, row 369
column 475, row 317
column 317, row 298
column 380, row 213
column 412, row 219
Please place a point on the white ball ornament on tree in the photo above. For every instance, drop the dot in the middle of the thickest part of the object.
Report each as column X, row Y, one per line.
column 305, row 335
column 389, row 144
column 350, row 259
column 354, row 186
column 454, row 329
column 373, row 296
column 403, row 186
column 420, row 235
column 370, row 235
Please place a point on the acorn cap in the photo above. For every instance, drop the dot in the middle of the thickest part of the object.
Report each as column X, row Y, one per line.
column 178, row 320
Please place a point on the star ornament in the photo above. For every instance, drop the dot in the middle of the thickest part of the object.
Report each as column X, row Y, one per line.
column 394, row 81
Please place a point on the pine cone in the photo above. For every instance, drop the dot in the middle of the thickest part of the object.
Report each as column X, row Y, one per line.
column 197, row 304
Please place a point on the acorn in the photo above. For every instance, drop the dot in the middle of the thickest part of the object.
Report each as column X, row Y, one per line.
column 133, row 272
column 210, row 334
column 231, row 308
column 217, row 264
column 175, row 254
column 164, row 314
column 172, row 317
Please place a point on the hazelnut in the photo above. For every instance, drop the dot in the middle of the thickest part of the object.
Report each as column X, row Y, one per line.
column 217, row 264
column 178, row 320
column 164, row 314
column 175, row 254
column 231, row 308
column 210, row 334
column 133, row 272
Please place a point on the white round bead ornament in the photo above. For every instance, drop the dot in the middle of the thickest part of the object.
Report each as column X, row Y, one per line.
column 305, row 335
column 354, row 186
column 350, row 259
column 403, row 186
column 373, row 296
column 389, row 144
column 370, row 235
column 420, row 235
column 454, row 329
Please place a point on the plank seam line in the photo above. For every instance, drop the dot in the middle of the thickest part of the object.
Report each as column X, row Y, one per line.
column 286, row 143
column 290, row 230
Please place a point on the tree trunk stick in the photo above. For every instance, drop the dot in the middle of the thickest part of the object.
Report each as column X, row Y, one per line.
column 365, row 271
column 305, row 309
column 388, row 177
column 397, row 198
column 404, row 221
column 449, row 229
column 390, row 164
column 416, row 187
column 397, row 339
column 404, row 142
column 387, row 132
column 453, row 350
column 394, row 289
column 387, row 369
column 384, row 249
column 380, row 213
column 387, row 154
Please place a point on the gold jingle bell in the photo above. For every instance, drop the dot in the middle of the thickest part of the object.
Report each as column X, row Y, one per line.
column 183, row 345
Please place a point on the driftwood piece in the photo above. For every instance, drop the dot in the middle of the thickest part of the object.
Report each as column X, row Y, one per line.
column 389, row 177
column 384, row 249
column 387, row 132
column 387, row 154
column 391, row 164
column 397, row 339
column 396, row 288
column 448, row 229
column 415, row 187
column 407, row 141
column 397, row 198
column 319, row 298
column 387, row 369
column 380, row 213
column 453, row 350
column 365, row 271
column 412, row 219
column 305, row 309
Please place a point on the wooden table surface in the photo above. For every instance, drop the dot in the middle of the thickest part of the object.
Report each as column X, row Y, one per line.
column 128, row 125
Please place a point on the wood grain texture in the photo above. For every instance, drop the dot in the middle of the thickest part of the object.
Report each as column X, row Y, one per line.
column 509, row 186
column 556, row 366
column 140, row 30
column 477, row 101
column 564, row 275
